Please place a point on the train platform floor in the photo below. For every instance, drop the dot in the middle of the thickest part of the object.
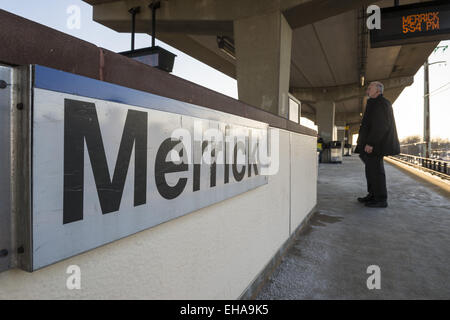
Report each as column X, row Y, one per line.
column 409, row 241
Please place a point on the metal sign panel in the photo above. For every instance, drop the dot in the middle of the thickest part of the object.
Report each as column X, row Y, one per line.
column 5, row 167
column 416, row 23
column 110, row 161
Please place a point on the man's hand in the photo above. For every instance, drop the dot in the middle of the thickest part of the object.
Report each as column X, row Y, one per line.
column 368, row 149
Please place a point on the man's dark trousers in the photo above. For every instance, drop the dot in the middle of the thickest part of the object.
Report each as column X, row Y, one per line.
column 375, row 176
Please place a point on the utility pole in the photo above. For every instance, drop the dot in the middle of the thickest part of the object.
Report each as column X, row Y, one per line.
column 426, row 111
column 426, row 103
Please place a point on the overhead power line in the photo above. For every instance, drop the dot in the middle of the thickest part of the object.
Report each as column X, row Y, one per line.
column 432, row 92
column 440, row 92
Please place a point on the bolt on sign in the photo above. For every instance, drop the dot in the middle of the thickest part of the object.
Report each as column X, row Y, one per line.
column 415, row 23
column 109, row 161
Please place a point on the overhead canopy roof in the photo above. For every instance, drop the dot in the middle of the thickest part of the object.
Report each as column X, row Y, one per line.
column 330, row 50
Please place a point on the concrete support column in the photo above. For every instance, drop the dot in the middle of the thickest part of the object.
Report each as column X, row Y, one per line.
column 340, row 131
column 347, row 136
column 325, row 120
column 354, row 128
column 350, row 137
column 263, row 61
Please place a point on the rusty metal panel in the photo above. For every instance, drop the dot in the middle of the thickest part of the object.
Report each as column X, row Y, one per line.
column 21, row 183
column 5, row 167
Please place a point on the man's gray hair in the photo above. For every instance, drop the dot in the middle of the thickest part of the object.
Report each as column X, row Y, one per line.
column 379, row 85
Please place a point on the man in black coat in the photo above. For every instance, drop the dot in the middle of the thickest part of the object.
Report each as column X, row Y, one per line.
column 377, row 138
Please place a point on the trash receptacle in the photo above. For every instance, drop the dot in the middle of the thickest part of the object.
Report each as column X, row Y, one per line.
column 335, row 152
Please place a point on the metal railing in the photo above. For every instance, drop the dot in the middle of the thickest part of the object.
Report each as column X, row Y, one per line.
column 440, row 168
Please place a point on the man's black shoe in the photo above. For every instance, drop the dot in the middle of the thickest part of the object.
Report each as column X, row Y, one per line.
column 376, row 204
column 367, row 198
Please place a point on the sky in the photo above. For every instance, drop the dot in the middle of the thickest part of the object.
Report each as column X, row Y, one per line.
column 408, row 108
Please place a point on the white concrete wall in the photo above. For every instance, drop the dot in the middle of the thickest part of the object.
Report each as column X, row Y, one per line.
column 213, row 253
column 304, row 163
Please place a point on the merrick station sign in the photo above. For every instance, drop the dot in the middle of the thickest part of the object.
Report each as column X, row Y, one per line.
column 108, row 161
column 416, row 23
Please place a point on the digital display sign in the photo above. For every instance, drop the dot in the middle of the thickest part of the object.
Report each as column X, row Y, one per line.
column 416, row 23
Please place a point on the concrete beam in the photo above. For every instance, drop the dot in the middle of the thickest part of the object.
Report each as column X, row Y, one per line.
column 213, row 59
column 172, row 17
column 94, row 2
column 339, row 117
column 284, row 5
column 216, row 17
column 348, row 117
column 308, row 108
column 346, row 92
column 309, row 116
column 309, row 12
column 206, row 17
